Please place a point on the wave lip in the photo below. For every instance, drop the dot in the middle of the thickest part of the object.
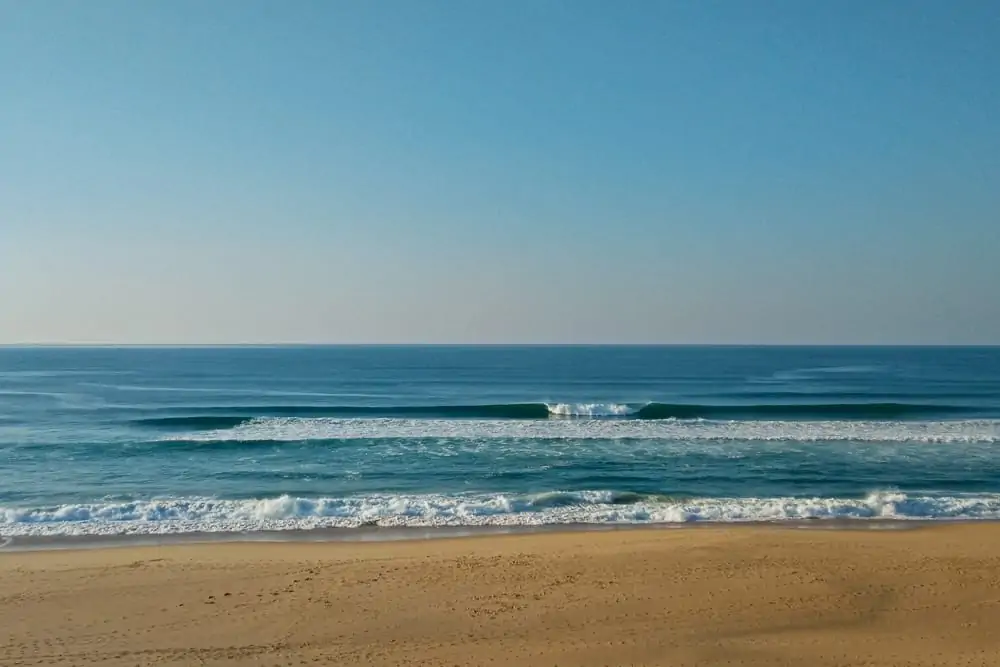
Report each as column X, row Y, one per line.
column 187, row 515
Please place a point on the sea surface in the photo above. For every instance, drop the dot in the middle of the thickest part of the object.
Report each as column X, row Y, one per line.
column 124, row 441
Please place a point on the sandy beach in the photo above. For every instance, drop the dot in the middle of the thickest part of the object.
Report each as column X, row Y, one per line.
column 713, row 596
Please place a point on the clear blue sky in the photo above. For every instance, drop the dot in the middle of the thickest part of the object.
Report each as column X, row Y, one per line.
column 523, row 171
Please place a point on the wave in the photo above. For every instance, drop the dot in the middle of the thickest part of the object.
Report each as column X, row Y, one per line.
column 193, row 422
column 799, row 411
column 196, row 515
column 828, row 395
column 228, row 417
column 274, row 430
column 592, row 409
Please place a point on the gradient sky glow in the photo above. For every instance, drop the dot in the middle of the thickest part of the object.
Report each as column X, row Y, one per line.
column 523, row 171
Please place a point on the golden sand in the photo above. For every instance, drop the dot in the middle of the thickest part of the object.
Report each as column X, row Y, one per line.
column 726, row 596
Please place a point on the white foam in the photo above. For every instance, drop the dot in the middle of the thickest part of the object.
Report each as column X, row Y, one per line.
column 295, row 428
column 188, row 515
column 591, row 409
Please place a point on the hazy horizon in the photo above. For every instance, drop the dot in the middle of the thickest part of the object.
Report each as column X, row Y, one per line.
column 517, row 173
column 493, row 345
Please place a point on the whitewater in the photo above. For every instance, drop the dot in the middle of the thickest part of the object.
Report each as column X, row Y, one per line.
column 207, row 515
column 310, row 429
column 168, row 441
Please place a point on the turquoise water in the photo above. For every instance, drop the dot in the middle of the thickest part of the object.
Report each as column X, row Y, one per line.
column 175, row 440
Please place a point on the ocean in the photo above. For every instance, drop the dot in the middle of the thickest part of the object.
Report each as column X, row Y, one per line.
column 177, row 440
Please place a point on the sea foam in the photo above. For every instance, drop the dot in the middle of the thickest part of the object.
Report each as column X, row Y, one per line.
column 193, row 515
column 591, row 409
column 325, row 428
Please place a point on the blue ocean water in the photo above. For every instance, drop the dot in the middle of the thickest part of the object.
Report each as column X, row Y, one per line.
column 176, row 440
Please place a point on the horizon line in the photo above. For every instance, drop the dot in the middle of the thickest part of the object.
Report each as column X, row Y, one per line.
column 115, row 345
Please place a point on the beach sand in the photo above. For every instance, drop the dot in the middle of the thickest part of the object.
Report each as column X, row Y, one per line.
column 702, row 596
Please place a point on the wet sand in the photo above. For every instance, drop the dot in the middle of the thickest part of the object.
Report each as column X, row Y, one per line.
column 712, row 596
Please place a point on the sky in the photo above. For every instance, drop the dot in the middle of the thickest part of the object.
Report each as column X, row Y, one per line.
column 525, row 171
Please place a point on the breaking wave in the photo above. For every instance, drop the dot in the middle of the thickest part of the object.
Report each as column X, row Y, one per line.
column 194, row 515
column 287, row 429
column 230, row 416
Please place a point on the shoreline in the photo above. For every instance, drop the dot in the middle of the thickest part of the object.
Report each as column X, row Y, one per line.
column 364, row 534
column 737, row 595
